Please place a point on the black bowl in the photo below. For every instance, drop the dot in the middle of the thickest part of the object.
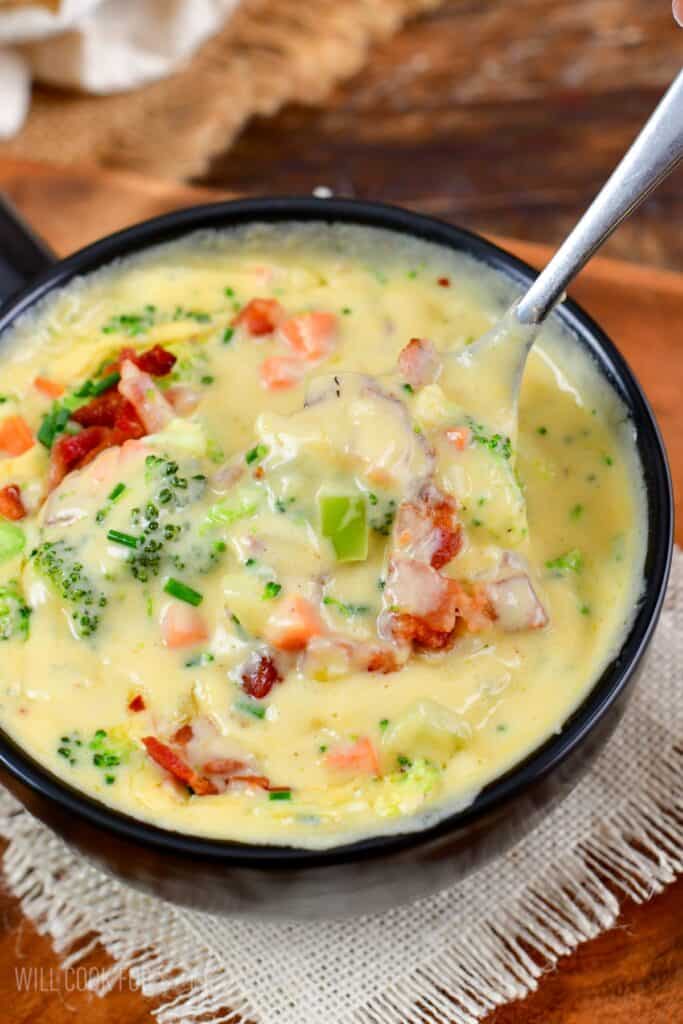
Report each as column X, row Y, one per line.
column 376, row 873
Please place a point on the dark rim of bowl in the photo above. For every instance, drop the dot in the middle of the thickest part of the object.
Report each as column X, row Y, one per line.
column 616, row 676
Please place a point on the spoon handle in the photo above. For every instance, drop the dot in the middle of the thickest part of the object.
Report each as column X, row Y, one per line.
column 653, row 155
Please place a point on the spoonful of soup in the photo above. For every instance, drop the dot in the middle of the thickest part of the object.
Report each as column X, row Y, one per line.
column 486, row 376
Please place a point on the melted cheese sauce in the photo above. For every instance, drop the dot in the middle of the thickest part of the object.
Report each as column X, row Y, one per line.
column 560, row 511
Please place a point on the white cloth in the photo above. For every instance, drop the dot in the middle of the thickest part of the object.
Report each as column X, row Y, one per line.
column 98, row 46
column 452, row 957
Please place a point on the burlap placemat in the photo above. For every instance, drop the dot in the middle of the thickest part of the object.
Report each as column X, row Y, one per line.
column 270, row 53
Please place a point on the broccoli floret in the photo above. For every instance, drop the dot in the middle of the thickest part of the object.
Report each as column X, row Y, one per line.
column 58, row 561
column 14, row 613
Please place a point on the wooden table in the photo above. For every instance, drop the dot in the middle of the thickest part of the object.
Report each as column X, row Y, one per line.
column 504, row 117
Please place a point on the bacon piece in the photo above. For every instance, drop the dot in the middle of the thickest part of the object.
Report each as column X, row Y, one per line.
column 411, row 629
column 137, row 703
column 11, row 504
column 182, row 735
column 226, row 766
column 173, row 763
column 419, row 362
column 183, row 398
column 475, row 608
column 150, row 405
column 260, row 676
column 427, row 528
column 70, row 451
column 418, row 589
column 259, row 781
column 382, row 660
column 156, row 361
column 110, row 409
column 260, row 316
column 515, row 604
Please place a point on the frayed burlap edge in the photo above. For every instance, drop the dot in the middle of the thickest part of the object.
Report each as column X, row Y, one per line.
column 270, row 53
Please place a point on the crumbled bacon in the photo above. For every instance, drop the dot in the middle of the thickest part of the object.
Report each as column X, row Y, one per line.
column 427, row 529
column 260, row 316
column 413, row 630
column 156, row 361
column 419, row 362
column 11, row 504
column 260, row 676
column 225, row 766
column 382, row 660
column 137, row 703
column 260, row 781
column 70, row 451
column 110, row 409
column 172, row 762
column 182, row 735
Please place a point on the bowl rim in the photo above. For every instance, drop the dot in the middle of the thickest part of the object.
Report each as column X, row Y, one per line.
column 543, row 759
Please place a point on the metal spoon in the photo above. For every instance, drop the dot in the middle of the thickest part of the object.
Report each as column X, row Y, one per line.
column 488, row 373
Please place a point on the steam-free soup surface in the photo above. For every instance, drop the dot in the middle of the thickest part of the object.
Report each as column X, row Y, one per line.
column 267, row 572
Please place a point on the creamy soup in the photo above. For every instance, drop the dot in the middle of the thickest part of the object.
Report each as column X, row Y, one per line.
column 267, row 572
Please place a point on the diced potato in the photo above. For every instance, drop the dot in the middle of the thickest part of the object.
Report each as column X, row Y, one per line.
column 426, row 730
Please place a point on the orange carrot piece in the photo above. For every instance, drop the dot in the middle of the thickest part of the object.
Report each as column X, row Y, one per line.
column 293, row 624
column 360, row 756
column 16, row 436
column 49, row 388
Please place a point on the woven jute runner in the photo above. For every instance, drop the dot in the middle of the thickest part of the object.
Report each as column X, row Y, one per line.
column 270, row 53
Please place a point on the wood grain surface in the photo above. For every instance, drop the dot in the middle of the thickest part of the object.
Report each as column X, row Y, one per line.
column 503, row 115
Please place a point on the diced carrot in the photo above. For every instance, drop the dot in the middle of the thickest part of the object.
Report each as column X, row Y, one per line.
column 293, row 624
column 310, row 335
column 182, row 626
column 49, row 388
column 459, row 437
column 360, row 756
column 281, row 372
column 137, row 703
column 15, row 436
column 260, row 316
column 11, row 505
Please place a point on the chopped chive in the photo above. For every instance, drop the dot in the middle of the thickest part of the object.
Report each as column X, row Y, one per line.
column 250, row 708
column 256, row 453
column 608, row 460
column 117, row 491
column 100, row 386
column 585, row 609
column 384, row 724
column 346, row 310
column 207, row 379
column 228, row 335
column 576, row 512
column 542, row 431
column 126, row 539
column 250, row 562
column 409, row 388
column 280, row 794
column 271, row 590
column 323, row 748
column 230, row 292
column 184, row 593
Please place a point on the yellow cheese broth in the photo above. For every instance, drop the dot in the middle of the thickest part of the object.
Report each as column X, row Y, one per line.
column 575, row 458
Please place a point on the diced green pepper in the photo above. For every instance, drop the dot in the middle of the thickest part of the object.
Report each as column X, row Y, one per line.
column 343, row 520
